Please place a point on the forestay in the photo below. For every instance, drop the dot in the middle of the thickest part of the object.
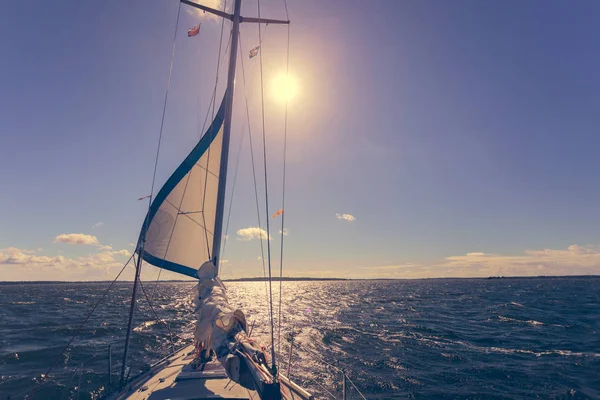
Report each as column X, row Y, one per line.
column 177, row 234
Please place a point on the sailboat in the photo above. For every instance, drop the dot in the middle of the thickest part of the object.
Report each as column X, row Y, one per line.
column 182, row 232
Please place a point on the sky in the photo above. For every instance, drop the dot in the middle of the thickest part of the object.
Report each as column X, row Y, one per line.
column 427, row 138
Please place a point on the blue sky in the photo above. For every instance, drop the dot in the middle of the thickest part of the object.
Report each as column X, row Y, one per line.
column 462, row 136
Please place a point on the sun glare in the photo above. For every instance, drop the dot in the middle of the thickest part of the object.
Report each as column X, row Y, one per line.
column 285, row 87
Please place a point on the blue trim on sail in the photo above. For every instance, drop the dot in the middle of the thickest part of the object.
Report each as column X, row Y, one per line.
column 172, row 182
column 171, row 266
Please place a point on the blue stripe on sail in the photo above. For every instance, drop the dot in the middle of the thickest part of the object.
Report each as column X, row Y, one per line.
column 172, row 182
column 171, row 266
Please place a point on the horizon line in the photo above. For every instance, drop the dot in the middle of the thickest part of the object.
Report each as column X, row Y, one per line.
column 292, row 279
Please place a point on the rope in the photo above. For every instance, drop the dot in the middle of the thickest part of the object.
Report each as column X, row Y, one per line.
column 321, row 386
column 320, row 358
column 135, row 357
column 237, row 165
column 78, row 331
column 213, row 117
column 349, row 380
column 246, row 125
column 262, row 100
column 262, row 251
column 156, row 315
column 141, row 239
column 287, row 71
column 211, row 103
column 162, row 123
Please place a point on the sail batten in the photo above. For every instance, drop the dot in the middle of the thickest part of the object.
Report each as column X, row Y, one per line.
column 177, row 234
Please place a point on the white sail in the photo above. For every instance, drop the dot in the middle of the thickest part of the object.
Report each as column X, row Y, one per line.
column 178, row 234
column 178, row 230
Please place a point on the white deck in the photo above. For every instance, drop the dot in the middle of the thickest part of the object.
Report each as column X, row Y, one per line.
column 175, row 379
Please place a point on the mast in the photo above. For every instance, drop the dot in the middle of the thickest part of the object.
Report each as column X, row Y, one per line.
column 218, row 231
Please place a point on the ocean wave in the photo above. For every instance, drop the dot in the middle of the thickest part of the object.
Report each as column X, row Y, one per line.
column 147, row 324
column 520, row 321
column 565, row 353
column 502, row 350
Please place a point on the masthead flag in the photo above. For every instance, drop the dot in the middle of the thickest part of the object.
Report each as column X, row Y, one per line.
column 194, row 31
column 279, row 212
column 254, row 52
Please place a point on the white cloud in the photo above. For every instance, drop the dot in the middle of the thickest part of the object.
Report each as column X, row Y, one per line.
column 97, row 225
column 98, row 265
column 252, row 232
column 575, row 260
column 105, row 248
column 121, row 253
column 13, row 255
column 19, row 264
column 259, row 258
column 131, row 244
column 286, row 232
column 346, row 217
column 76, row 238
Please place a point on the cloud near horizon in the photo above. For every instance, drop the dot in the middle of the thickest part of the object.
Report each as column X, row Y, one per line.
column 25, row 264
column 99, row 265
column 575, row 260
column 76, row 238
column 345, row 217
column 252, row 232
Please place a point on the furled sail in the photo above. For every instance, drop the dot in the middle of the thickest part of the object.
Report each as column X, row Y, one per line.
column 177, row 234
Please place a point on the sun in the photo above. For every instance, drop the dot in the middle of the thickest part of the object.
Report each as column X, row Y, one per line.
column 284, row 87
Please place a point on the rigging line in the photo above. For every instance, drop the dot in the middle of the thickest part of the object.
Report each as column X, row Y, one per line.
column 321, row 386
column 135, row 356
column 237, row 164
column 359, row 392
column 212, row 102
column 78, row 330
column 162, row 123
column 287, row 72
column 287, row 14
column 262, row 251
column 171, row 334
column 213, row 117
column 208, row 155
column 262, row 99
column 321, row 359
column 80, row 366
column 246, row 125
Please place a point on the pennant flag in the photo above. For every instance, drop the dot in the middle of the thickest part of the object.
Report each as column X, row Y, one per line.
column 145, row 197
column 279, row 212
column 194, row 31
column 254, row 52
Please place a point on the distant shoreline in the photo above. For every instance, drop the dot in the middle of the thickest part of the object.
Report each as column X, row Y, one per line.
column 308, row 279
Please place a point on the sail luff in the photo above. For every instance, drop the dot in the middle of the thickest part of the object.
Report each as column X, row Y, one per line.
column 218, row 230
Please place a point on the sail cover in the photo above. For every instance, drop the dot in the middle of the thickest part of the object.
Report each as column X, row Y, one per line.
column 177, row 234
